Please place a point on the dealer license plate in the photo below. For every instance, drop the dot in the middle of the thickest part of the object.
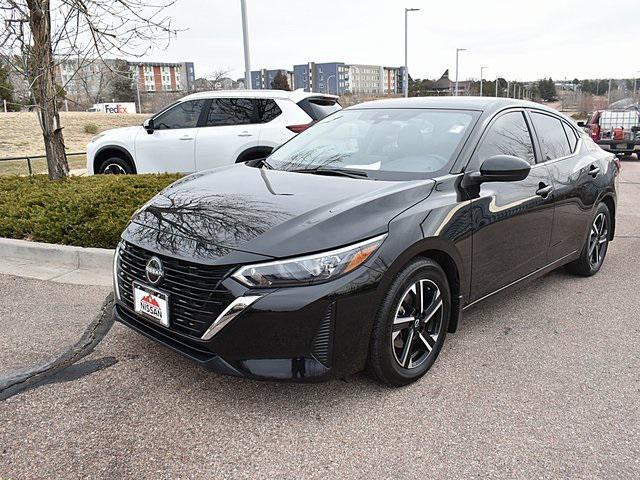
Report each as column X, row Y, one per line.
column 151, row 303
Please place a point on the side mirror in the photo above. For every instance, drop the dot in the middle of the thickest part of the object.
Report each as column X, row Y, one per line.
column 501, row 168
column 148, row 125
column 582, row 124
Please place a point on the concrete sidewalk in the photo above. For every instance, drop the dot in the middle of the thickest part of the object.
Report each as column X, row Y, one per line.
column 58, row 263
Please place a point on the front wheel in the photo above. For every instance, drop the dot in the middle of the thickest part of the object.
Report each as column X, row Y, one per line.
column 115, row 166
column 411, row 325
column 595, row 248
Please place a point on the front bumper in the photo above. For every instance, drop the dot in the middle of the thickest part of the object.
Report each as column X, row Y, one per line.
column 302, row 334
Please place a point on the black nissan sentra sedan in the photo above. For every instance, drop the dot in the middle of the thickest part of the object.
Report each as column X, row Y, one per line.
column 359, row 243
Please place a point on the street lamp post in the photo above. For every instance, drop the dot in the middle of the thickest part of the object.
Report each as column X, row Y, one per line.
column 245, row 38
column 326, row 88
column 481, row 76
column 458, row 50
column 405, row 83
column 496, row 85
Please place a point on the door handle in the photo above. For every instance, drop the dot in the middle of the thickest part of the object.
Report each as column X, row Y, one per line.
column 594, row 171
column 544, row 190
column 186, row 138
column 245, row 134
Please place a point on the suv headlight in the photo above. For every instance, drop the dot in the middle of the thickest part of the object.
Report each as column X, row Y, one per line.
column 309, row 269
column 97, row 137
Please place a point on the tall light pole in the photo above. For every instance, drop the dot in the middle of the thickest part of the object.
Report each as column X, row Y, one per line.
column 458, row 50
column 245, row 39
column 405, row 82
column 482, row 69
column 496, row 84
column 326, row 87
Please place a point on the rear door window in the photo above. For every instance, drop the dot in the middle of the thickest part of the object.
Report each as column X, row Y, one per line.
column 231, row 111
column 571, row 136
column 319, row 108
column 508, row 135
column 266, row 109
column 183, row 115
column 552, row 137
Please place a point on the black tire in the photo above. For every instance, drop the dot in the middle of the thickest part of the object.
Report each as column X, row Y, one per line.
column 115, row 166
column 586, row 264
column 388, row 341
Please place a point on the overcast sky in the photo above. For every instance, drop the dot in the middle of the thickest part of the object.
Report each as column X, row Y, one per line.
column 519, row 40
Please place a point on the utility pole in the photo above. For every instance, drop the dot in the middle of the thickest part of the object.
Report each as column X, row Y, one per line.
column 507, row 95
column 609, row 94
column 458, row 50
column 405, row 82
column 481, row 71
column 245, row 38
column 496, row 86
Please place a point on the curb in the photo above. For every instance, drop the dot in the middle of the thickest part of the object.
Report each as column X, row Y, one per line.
column 96, row 260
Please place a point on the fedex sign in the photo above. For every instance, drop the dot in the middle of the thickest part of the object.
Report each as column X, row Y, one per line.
column 117, row 108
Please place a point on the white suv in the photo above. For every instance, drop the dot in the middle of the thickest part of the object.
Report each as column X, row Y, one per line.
column 208, row 129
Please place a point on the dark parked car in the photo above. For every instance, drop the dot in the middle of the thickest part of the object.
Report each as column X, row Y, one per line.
column 360, row 242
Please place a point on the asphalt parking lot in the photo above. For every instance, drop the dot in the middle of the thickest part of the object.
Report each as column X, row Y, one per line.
column 543, row 382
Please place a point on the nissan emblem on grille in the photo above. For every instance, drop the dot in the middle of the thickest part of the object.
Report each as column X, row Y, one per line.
column 154, row 270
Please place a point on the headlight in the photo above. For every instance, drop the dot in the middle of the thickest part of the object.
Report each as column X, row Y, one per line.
column 310, row 269
column 97, row 137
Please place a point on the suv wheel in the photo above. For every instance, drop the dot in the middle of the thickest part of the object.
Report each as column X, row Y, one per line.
column 115, row 166
column 412, row 324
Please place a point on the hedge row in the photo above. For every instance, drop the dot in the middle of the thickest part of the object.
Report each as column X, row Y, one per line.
column 83, row 211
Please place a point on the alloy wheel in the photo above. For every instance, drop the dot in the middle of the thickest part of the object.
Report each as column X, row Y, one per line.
column 417, row 324
column 598, row 240
column 114, row 169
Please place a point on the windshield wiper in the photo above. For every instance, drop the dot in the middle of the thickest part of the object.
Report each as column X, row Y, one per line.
column 338, row 172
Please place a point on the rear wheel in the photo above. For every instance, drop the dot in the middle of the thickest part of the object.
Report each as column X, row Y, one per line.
column 595, row 248
column 411, row 326
column 115, row 166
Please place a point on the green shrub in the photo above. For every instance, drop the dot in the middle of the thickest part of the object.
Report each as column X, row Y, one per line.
column 91, row 128
column 84, row 211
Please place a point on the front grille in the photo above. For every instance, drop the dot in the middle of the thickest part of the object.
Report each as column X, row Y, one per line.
column 196, row 296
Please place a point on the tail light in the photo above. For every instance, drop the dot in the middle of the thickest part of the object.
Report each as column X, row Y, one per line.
column 300, row 127
column 595, row 132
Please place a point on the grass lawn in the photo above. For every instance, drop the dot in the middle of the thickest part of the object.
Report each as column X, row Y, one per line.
column 39, row 166
column 83, row 211
column 20, row 132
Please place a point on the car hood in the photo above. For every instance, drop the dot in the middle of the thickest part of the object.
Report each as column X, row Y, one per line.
column 270, row 213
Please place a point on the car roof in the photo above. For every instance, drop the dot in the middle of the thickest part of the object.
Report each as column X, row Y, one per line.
column 482, row 104
column 294, row 96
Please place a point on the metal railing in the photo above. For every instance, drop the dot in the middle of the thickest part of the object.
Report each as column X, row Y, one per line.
column 29, row 158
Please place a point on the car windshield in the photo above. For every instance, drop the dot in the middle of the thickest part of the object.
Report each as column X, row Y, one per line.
column 419, row 141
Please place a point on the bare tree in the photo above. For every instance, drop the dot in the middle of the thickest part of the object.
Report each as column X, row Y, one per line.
column 42, row 34
column 213, row 81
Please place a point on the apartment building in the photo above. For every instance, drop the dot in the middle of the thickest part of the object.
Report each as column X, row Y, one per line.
column 340, row 78
column 164, row 77
column 88, row 81
column 262, row 79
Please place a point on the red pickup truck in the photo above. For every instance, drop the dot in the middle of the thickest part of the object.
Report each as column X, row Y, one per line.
column 617, row 131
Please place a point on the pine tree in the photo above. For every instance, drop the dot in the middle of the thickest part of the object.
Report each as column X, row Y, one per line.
column 6, row 88
column 122, row 88
column 280, row 82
